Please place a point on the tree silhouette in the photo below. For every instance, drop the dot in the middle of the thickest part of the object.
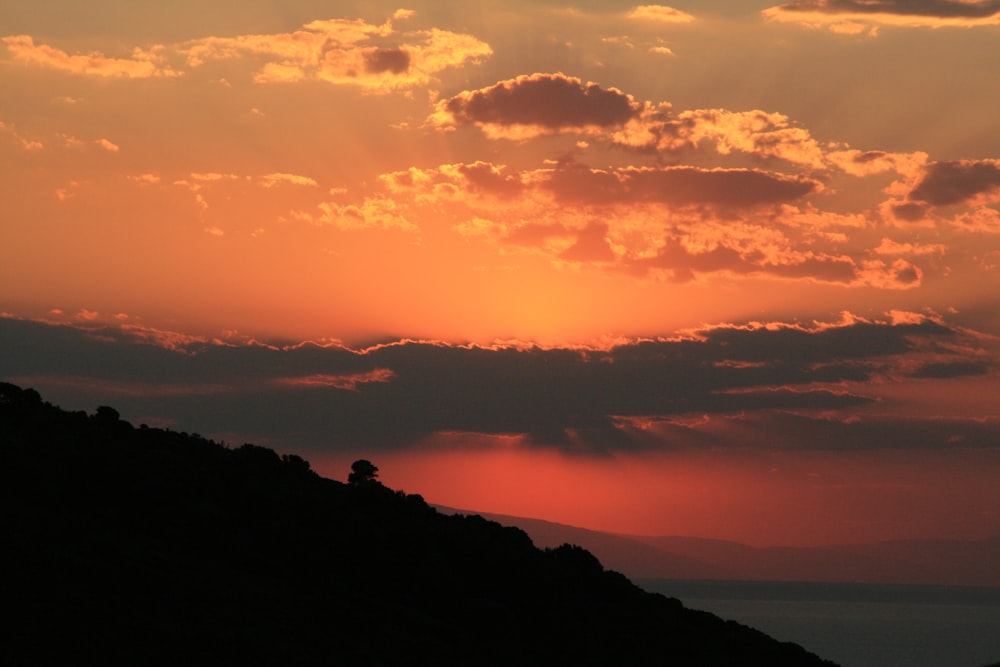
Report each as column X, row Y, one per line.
column 107, row 415
column 363, row 471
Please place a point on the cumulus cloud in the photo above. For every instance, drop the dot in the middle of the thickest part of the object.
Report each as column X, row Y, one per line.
column 678, row 224
column 764, row 134
column 856, row 16
column 373, row 213
column 530, row 106
column 537, row 104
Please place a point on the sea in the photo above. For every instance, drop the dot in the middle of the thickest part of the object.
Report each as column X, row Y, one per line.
column 858, row 625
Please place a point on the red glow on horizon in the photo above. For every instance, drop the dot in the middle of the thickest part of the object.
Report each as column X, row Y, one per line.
column 770, row 499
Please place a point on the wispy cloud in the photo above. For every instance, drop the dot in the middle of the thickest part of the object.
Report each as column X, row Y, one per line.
column 141, row 64
column 347, row 52
column 856, row 16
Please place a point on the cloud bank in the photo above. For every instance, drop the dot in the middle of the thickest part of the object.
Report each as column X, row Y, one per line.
column 634, row 395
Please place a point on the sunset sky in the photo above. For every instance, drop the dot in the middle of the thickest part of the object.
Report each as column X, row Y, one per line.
column 721, row 268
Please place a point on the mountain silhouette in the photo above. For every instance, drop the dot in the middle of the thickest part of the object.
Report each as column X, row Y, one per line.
column 938, row 562
column 148, row 546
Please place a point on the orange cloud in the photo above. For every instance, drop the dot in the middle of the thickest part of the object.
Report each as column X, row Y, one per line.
column 348, row 382
column 981, row 220
column 658, row 222
column 866, row 163
column 349, row 52
column 890, row 247
column 342, row 51
column 856, row 16
column 142, row 64
column 23, row 142
column 108, row 145
column 659, row 14
column 272, row 180
column 372, row 213
column 768, row 135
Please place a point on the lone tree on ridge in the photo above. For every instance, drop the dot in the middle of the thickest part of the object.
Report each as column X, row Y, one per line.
column 363, row 471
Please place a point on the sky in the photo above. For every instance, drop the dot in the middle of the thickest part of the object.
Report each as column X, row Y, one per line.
column 720, row 268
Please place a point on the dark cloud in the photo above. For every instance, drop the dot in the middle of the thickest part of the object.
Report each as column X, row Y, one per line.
column 679, row 186
column 758, row 429
column 951, row 369
column 910, row 211
column 967, row 9
column 825, row 268
column 954, row 182
column 685, row 264
column 312, row 398
column 549, row 100
column 485, row 177
column 396, row 61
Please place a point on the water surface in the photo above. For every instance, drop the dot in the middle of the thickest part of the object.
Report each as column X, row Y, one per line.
column 859, row 625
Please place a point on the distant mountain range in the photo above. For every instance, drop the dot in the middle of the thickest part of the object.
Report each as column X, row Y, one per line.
column 937, row 562
column 145, row 546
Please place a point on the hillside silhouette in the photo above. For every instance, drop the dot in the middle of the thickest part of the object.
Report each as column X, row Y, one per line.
column 148, row 546
column 915, row 561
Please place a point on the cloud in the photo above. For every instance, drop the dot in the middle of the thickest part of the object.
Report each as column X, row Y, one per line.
column 674, row 223
column 141, row 65
column 275, row 179
column 373, row 213
column 679, row 186
column 374, row 57
column 890, row 247
column 959, row 181
column 572, row 183
column 767, row 135
column 318, row 397
column 659, row 14
column 108, row 145
column 856, row 16
column 866, row 163
column 349, row 382
column 25, row 143
column 950, row 369
column 537, row 104
column 346, row 52
column 981, row 220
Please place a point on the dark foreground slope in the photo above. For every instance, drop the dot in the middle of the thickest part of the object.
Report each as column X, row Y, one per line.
column 145, row 546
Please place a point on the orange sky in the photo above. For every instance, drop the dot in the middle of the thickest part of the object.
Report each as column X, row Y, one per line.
column 778, row 185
